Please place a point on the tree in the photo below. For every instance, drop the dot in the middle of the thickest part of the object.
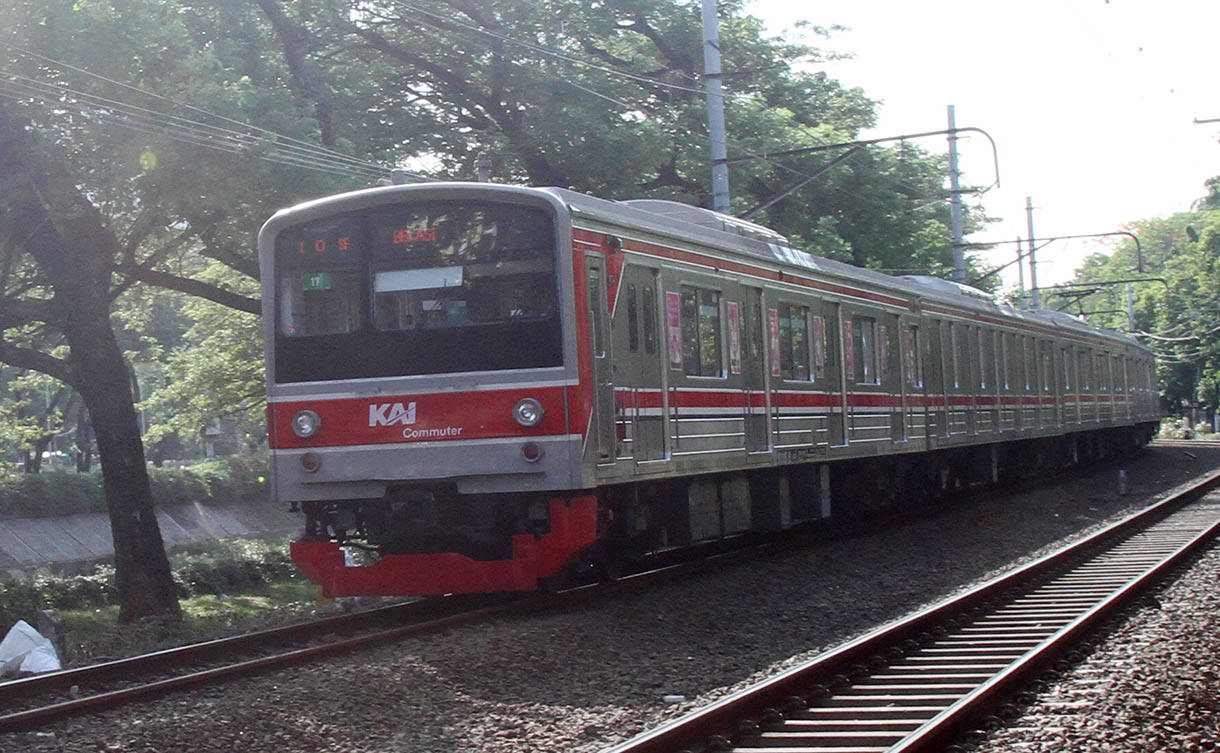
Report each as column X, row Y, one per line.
column 608, row 98
column 1176, row 313
column 48, row 218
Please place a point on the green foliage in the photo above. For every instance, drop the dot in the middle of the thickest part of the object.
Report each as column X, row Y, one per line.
column 223, row 480
column 1177, row 311
column 223, row 567
column 217, row 370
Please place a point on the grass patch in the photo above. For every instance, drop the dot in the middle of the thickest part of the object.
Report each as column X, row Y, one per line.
column 94, row 635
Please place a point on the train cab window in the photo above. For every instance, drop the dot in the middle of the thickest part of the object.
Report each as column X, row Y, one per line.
column 417, row 287
column 650, row 320
column 633, row 318
column 794, row 342
column 702, row 353
column 321, row 276
column 865, row 350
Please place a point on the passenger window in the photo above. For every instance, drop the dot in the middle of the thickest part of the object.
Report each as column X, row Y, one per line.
column 633, row 319
column 794, row 342
column 865, row 350
column 912, row 359
column 650, row 320
column 701, row 346
column 819, row 348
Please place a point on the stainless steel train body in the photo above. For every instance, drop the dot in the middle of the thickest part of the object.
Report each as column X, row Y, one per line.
column 484, row 384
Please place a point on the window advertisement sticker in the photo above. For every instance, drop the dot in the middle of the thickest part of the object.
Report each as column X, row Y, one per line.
column 734, row 337
column 773, row 326
column 673, row 310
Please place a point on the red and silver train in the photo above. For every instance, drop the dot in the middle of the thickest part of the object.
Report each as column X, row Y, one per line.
column 486, row 385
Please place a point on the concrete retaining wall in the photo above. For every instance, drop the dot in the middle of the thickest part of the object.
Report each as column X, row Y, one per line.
column 29, row 543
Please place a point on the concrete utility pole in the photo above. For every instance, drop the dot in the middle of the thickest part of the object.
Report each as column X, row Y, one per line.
column 715, row 107
column 955, row 204
column 1020, row 274
column 1034, row 298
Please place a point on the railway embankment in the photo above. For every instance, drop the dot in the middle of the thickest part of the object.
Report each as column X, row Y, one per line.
column 30, row 543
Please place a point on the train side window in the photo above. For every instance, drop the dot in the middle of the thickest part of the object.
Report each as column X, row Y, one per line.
column 650, row 320
column 1005, row 354
column 953, row 349
column 1048, row 366
column 702, row 354
column 985, row 361
column 865, row 349
column 820, row 348
column 1086, row 370
column 633, row 319
column 912, row 357
column 794, row 342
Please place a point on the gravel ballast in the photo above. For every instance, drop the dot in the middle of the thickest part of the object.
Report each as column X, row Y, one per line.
column 593, row 676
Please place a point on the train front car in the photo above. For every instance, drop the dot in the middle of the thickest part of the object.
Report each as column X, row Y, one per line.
column 420, row 373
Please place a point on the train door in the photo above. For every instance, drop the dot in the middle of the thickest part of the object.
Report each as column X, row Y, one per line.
column 601, row 421
column 638, row 371
column 754, row 371
column 936, row 389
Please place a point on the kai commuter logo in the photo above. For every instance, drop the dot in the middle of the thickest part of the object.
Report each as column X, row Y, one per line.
column 390, row 414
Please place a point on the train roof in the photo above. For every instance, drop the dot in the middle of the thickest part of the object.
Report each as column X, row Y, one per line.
column 674, row 219
column 671, row 220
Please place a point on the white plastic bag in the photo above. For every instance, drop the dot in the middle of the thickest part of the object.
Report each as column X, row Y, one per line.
column 25, row 649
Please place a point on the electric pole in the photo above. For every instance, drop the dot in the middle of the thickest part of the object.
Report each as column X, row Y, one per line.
column 955, row 204
column 1034, row 299
column 715, row 107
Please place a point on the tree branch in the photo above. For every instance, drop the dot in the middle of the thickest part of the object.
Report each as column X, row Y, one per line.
column 193, row 287
column 36, row 360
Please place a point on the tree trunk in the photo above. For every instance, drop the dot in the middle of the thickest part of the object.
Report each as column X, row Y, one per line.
column 141, row 570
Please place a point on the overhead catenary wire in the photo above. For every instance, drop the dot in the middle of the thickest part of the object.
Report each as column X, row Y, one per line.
column 276, row 147
column 181, row 130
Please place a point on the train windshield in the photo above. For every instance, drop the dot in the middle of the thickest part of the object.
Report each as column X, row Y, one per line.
column 420, row 288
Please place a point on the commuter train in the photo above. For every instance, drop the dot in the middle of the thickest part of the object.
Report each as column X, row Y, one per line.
column 479, row 387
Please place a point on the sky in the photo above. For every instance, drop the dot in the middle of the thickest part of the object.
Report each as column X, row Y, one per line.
column 1091, row 103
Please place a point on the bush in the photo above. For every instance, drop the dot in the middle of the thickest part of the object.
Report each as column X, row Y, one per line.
column 225, row 567
column 223, row 480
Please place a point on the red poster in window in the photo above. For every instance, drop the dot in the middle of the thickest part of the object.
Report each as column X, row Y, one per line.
column 849, row 351
column 773, row 326
column 734, row 337
column 673, row 310
column 885, row 352
column 819, row 347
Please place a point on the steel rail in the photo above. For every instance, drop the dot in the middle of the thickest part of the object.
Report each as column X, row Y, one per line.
column 41, row 715
column 426, row 616
column 1002, row 641
column 157, row 661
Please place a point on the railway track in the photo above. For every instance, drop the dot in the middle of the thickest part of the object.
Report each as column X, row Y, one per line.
column 31, row 702
column 921, row 683
column 57, row 695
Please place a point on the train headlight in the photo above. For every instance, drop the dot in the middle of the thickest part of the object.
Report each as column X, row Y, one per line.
column 528, row 412
column 306, row 423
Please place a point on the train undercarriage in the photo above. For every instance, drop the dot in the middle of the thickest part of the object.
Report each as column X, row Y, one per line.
column 430, row 540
